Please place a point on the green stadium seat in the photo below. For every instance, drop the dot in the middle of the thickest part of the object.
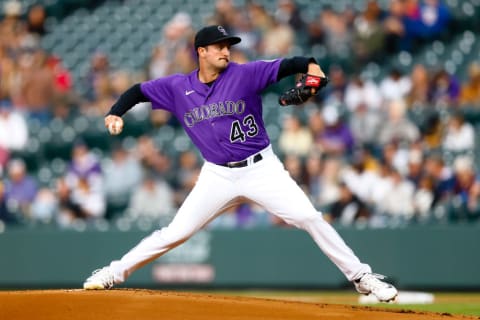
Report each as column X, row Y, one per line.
column 95, row 136
column 44, row 175
column 32, row 155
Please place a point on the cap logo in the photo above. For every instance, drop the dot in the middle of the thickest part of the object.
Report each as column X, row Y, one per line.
column 222, row 30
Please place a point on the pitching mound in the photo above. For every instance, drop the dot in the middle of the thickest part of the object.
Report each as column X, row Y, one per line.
column 145, row 304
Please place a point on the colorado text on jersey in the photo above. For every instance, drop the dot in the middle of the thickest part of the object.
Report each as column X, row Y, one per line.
column 213, row 110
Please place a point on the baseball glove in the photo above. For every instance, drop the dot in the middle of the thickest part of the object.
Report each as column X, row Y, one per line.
column 306, row 87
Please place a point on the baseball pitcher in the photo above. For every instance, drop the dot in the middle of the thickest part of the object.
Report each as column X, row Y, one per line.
column 220, row 107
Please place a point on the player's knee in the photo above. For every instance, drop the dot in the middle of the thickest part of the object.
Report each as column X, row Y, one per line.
column 175, row 236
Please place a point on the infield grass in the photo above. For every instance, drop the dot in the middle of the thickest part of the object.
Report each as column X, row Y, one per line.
column 449, row 303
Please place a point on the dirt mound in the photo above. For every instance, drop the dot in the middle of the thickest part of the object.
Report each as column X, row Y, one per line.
column 132, row 304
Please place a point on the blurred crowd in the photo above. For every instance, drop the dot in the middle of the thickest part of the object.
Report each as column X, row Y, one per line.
column 375, row 153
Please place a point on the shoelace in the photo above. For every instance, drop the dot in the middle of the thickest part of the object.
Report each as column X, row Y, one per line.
column 372, row 280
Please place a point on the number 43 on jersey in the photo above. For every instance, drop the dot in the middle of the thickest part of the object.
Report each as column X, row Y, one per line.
column 246, row 128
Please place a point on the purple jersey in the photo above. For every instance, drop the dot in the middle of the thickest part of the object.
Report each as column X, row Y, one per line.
column 223, row 120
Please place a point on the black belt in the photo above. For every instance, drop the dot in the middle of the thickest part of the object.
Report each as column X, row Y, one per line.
column 243, row 163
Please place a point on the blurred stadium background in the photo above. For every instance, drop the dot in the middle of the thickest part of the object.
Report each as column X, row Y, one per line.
column 389, row 152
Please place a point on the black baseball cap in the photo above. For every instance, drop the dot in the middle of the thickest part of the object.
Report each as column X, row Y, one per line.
column 214, row 34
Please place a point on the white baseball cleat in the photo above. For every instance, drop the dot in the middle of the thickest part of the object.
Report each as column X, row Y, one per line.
column 371, row 283
column 101, row 279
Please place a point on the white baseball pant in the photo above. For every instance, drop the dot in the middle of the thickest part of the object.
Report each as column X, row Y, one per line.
column 266, row 183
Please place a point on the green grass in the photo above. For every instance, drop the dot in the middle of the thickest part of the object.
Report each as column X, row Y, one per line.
column 453, row 303
column 450, row 303
column 471, row 309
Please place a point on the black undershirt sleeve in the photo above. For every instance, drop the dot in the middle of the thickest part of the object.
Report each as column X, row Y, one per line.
column 291, row 66
column 127, row 100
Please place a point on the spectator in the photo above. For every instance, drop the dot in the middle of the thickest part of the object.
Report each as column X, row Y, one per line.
column 176, row 41
column 466, row 191
column 434, row 18
column 102, row 95
column 68, row 211
column 91, row 201
column 223, row 14
column 62, row 79
column 365, row 125
column 159, row 65
column 329, row 182
column 294, row 165
column 278, row 39
column 20, row 188
column 120, row 81
column 442, row 178
column 316, row 28
column 242, row 26
column 414, row 172
column 152, row 200
column 444, row 90
column 4, row 155
column 84, row 197
column 315, row 125
column 334, row 93
column 250, row 215
column 186, row 175
column 362, row 93
column 398, row 127
column 395, row 86
column 84, row 165
column 459, row 135
column 420, row 86
column 65, row 110
column 122, row 174
column 174, row 53
column 79, row 203
column 380, row 185
column 229, row 219
column 423, row 199
column 288, row 12
column 432, row 131
column 368, row 34
column 337, row 34
column 396, row 155
column 45, row 206
column 294, row 137
column 36, row 20
column 98, row 71
column 412, row 9
column 348, row 209
column 9, row 74
column 150, row 156
column 313, row 172
column 245, row 215
column 6, row 216
column 13, row 132
column 336, row 139
column 397, row 203
column 12, row 23
column 261, row 20
column 359, row 178
column 470, row 91
column 37, row 85
column 402, row 27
